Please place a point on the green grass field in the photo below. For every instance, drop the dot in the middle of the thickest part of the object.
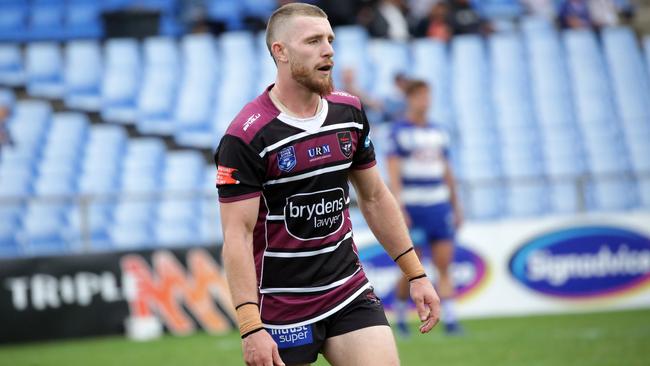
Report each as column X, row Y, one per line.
column 615, row 338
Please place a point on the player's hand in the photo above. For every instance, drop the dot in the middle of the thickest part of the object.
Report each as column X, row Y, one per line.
column 427, row 303
column 261, row 350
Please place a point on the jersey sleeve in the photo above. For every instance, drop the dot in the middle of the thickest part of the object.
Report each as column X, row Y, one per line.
column 240, row 171
column 364, row 156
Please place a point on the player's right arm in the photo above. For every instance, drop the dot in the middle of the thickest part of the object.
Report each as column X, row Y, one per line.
column 238, row 222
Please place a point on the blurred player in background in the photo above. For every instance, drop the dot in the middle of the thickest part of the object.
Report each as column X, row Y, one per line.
column 283, row 170
column 423, row 183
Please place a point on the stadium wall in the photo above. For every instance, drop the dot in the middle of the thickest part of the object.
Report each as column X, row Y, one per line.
column 567, row 264
column 578, row 263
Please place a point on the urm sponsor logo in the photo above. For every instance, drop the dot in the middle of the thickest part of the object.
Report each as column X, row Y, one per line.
column 583, row 262
column 318, row 151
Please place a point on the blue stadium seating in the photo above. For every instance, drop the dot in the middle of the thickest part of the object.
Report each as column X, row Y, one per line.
column 542, row 122
column 431, row 63
column 235, row 87
column 197, row 91
column 351, row 52
column 134, row 212
column 229, row 12
column 388, row 58
column 46, row 20
column 13, row 20
column 266, row 66
column 159, row 86
column 83, row 73
column 121, row 80
column 83, row 19
column 176, row 222
column 12, row 72
column 44, row 67
column 210, row 225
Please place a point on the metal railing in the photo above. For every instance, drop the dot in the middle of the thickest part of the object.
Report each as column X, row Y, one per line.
column 78, row 228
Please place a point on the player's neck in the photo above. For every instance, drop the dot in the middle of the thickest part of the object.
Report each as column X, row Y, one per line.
column 295, row 101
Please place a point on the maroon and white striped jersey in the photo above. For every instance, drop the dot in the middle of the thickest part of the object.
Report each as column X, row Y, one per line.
column 306, row 260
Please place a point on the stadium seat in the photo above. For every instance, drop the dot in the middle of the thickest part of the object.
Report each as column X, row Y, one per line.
column 210, row 225
column 612, row 193
column 196, row 95
column 469, row 71
column 13, row 21
column 228, row 12
column 351, row 52
column 388, row 58
column 527, row 198
column 628, row 73
column 44, row 67
column 639, row 151
column 159, row 86
column 235, row 87
column 644, row 192
column 266, row 66
column 646, row 51
column 140, row 182
column 46, row 20
column 261, row 9
column 564, row 196
column 431, row 63
column 28, row 125
column 121, row 80
column 83, row 19
column 534, row 25
column 83, row 73
column 176, row 222
column 485, row 201
column 12, row 72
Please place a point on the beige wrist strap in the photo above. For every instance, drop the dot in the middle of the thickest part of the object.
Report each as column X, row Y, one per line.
column 410, row 264
column 248, row 317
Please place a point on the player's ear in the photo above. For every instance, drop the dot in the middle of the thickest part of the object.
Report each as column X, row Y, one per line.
column 279, row 52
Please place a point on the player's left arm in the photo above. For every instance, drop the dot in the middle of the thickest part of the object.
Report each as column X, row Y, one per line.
column 384, row 217
column 450, row 181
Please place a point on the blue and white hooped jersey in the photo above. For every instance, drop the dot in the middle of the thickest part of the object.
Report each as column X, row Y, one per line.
column 423, row 151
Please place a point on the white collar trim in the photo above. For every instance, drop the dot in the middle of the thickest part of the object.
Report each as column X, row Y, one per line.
column 309, row 123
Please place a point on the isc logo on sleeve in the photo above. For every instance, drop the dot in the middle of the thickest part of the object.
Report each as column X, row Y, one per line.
column 292, row 337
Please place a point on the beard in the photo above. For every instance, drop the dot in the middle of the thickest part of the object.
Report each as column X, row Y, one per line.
column 320, row 86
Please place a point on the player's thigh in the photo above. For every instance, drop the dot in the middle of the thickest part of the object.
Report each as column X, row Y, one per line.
column 442, row 252
column 367, row 346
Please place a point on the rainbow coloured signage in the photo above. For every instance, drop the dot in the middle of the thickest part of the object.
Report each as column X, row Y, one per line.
column 584, row 262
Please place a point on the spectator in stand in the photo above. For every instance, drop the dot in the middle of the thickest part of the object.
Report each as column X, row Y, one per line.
column 603, row 13
column 436, row 24
column 386, row 19
column 419, row 9
column 464, row 19
column 541, row 8
column 340, row 12
column 373, row 106
column 574, row 14
column 395, row 104
column 5, row 137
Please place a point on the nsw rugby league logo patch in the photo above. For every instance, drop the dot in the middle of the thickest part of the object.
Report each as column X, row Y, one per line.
column 345, row 143
column 287, row 159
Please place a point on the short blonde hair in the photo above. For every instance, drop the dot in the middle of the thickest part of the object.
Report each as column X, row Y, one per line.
column 284, row 13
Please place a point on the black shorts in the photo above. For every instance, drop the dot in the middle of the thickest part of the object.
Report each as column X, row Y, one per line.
column 302, row 344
